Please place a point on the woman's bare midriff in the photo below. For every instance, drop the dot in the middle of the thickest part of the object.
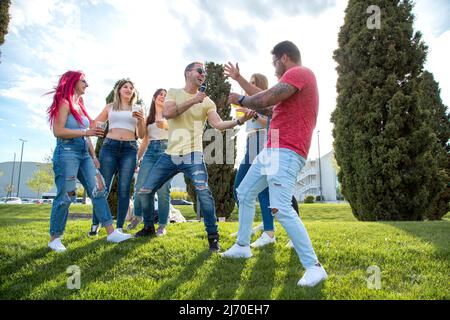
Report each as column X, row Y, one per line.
column 121, row 134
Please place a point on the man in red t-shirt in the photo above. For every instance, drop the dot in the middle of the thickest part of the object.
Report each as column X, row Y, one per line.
column 296, row 102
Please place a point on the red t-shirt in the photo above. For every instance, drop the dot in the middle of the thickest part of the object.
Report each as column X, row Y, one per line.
column 295, row 117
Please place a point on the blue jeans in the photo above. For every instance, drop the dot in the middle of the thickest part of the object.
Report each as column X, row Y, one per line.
column 194, row 168
column 276, row 168
column 154, row 151
column 118, row 157
column 71, row 160
column 255, row 143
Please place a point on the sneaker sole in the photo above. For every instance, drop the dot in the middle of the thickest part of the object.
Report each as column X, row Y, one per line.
column 118, row 241
column 259, row 246
column 235, row 257
column 312, row 285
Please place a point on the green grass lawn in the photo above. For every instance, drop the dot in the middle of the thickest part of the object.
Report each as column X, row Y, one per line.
column 414, row 259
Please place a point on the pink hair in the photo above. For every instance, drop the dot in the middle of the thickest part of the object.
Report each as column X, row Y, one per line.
column 64, row 92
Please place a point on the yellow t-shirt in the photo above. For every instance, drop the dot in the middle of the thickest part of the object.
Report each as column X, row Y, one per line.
column 186, row 130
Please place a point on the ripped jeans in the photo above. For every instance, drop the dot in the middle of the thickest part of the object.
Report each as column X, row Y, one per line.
column 193, row 167
column 71, row 160
column 276, row 168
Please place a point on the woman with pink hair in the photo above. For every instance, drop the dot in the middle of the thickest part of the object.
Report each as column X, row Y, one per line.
column 74, row 157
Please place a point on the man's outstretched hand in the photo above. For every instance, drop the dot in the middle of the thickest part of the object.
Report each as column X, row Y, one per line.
column 231, row 71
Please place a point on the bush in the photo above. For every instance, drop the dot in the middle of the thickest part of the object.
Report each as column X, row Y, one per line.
column 309, row 199
column 319, row 198
column 180, row 195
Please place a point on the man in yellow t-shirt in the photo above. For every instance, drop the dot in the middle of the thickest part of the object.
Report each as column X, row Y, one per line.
column 187, row 110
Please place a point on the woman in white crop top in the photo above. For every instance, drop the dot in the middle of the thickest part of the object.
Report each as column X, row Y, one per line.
column 125, row 119
column 152, row 147
column 119, row 149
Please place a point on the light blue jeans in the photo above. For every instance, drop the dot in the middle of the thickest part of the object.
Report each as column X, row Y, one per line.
column 71, row 160
column 276, row 168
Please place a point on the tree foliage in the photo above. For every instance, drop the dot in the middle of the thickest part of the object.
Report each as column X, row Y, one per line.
column 386, row 127
column 220, row 176
column 42, row 179
column 4, row 19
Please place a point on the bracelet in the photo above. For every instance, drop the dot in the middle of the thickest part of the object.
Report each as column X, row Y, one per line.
column 238, row 122
column 176, row 107
column 241, row 100
column 256, row 116
column 85, row 132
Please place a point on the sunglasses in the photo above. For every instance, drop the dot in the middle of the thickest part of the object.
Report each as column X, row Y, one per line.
column 201, row 71
column 85, row 82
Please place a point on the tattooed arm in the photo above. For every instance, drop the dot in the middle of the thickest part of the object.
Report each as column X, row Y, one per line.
column 270, row 97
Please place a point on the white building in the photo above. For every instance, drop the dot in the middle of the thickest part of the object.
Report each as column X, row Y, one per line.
column 309, row 181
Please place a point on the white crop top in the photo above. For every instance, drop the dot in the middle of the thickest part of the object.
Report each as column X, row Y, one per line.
column 121, row 120
column 252, row 125
column 155, row 133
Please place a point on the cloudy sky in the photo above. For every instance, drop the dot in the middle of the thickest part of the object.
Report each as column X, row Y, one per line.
column 152, row 41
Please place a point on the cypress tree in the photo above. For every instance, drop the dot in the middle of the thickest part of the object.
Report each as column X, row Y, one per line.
column 220, row 176
column 430, row 100
column 385, row 144
column 4, row 19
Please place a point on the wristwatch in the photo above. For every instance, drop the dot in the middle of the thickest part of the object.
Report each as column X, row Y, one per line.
column 256, row 116
column 240, row 100
column 238, row 122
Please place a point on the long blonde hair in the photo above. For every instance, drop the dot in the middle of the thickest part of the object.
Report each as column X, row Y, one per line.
column 260, row 81
column 116, row 101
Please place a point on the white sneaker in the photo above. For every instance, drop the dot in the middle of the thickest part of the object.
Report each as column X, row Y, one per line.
column 260, row 227
column 237, row 251
column 120, row 230
column 312, row 277
column 290, row 244
column 254, row 230
column 117, row 236
column 262, row 241
column 56, row 245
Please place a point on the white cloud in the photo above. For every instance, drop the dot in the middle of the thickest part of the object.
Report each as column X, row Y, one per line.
column 25, row 13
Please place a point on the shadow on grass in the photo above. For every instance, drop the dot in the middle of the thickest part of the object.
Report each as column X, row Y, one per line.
column 98, row 267
column 59, row 262
column 223, row 278
column 22, row 288
column 261, row 280
column 11, row 268
column 168, row 289
column 291, row 291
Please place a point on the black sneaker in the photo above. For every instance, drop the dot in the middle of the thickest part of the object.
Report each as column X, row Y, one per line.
column 146, row 232
column 94, row 230
column 213, row 240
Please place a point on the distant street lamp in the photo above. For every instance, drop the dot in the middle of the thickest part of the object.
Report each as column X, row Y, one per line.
column 20, row 167
column 320, row 168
